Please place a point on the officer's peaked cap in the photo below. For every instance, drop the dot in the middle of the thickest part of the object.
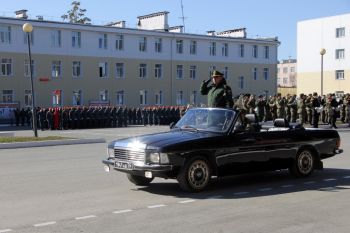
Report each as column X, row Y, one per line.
column 217, row 73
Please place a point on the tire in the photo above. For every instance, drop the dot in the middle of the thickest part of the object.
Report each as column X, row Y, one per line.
column 304, row 164
column 195, row 175
column 139, row 180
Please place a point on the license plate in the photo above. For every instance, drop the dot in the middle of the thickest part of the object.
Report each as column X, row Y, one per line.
column 123, row 165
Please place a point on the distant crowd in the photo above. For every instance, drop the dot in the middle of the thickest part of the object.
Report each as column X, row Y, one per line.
column 311, row 109
column 97, row 117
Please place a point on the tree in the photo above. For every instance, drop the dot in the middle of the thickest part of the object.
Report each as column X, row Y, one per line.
column 76, row 14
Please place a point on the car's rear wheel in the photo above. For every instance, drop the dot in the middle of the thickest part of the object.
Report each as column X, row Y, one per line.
column 304, row 164
column 139, row 180
column 195, row 175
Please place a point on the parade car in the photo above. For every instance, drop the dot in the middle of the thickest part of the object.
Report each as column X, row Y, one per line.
column 208, row 142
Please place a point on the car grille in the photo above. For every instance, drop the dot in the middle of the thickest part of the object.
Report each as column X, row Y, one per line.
column 121, row 153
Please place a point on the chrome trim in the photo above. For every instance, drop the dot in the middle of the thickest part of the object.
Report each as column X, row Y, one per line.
column 129, row 155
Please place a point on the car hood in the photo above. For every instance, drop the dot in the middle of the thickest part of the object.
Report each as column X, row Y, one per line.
column 161, row 140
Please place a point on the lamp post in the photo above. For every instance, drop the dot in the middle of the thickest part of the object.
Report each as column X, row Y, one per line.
column 28, row 28
column 322, row 52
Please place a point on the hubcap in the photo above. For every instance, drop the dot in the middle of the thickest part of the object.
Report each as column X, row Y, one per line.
column 305, row 162
column 198, row 174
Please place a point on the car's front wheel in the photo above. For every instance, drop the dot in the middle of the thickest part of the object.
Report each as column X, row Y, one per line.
column 139, row 180
column 195, row 175
column 304, row 164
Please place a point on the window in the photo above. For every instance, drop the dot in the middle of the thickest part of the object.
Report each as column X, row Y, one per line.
column 77, row 98
column 266, row 52
column 119, row 70
column 285, row 81
column 76, row 39
column 143, row 71
column 241, row 82
column 158, row 45
column 339, row 75
column 255, row 73
column 57, row 98
column 158, row 70
column 241, row 50
column 143, row 44
column 193, row 98
column 27, row 69
column 224, row 50
column 211, row 69
column 226, row 72
column 179, row 46
column 76, row 69
column 103, row 95
column 5, row 35
column 159, row 97
column 340, row 32
column 119, row 42
column 7, row 96
column 56, row 69
column 31, row 37
column 120, row 97
column 212, row 49
column 285, row 70
column 143, row 97
column 266, row 73
column 102, row 41
column 179, row 98
column 102, row 67
column 193, row 71
column 292, row 69
column 6, row 67
column 28, row 98
column 179, row 71
column 339, row 54
column 193, row 47
column 255, row 51
column 56, row 38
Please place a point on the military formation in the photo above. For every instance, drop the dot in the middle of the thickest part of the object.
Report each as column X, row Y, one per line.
column 311, row 108
column 99, row 117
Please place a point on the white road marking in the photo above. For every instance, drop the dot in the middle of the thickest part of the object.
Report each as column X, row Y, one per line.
column 44, row 224
column 85, row 217
column 265, row 189
column 331, row 179
column 155, row 206
column 240, row 193
column 310, row 182
column 122, row 211
column 346, row 177
column 287, row 186
column 5, row 230
column 186, row 201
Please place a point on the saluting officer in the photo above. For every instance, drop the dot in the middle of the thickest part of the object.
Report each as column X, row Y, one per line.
column 219, row 93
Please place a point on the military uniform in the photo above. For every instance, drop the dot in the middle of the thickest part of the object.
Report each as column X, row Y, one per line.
column 219, row 95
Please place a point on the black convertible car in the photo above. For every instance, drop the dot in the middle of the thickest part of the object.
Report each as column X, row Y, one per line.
column 208, row 142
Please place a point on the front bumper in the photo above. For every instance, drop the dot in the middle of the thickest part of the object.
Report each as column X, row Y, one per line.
column 163, row 170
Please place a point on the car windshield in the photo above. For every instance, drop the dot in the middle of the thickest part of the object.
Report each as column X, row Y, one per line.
column 207, row 119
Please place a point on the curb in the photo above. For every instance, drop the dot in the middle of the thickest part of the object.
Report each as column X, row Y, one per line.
column 16, row 145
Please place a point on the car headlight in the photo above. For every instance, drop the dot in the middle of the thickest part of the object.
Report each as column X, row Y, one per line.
column 154, row 157
column 160, row 158
column 110, row 152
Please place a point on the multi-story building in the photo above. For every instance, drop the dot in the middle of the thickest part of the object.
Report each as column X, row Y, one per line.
column 286, row 73
column 154, row 64
column 333, row 35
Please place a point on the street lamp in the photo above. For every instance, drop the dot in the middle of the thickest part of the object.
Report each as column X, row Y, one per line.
column 322, row 52
column 28, row 28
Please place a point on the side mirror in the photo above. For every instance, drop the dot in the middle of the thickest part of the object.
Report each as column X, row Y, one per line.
column 171, row 125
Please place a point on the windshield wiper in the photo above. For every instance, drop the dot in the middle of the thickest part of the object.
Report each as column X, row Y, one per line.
column 189, row 127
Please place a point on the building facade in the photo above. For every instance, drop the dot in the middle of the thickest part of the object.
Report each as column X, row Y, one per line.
column 333, row 35
column 78, row 64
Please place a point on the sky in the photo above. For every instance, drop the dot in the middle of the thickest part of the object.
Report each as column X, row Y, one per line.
column 261, row 18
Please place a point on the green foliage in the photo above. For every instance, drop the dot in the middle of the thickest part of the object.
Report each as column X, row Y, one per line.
column 30, row 139
column 76, row 14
